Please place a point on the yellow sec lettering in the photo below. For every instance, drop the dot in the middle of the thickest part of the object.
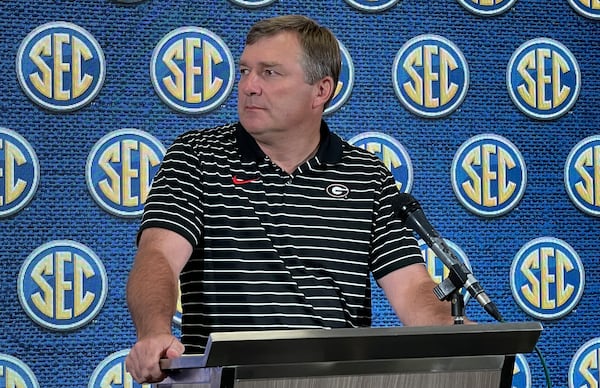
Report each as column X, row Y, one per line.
column 527, row 91
column 14, row 380
column 113, row 376
column 516, row 369
column 414, row 89
column 80, row 52
column 128, row 172
column 564, row 291
column 593, row 4
column 44, row 301
column 191, row 71
column 338, row 88
column 560, row 92
column 12, row 157
column 431, row 261
column 148, row 159
column 429, row 76
column 472, row 188
column 506, row 188
column 542, row 79
column 531, row 292
column 210, row 56
column 589, row 188
column 175, row 52
column 110, row 189
column 447, row 89
column 62, row 285
column 487, row 174
column 391, row 161
column 589, row 362
column 546, row 277
column 81, row 270
column 42, row 48
column 60, row 67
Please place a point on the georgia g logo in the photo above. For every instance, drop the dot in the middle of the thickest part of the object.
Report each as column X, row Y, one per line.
column 111, row 372
column 62, row 285
column 547, row 278
column 60, row 66
column 345, row 83
column 543, row 79
column 192, row 70
column 430, row 76
column 16, row 374
column 120, row 169
column 582, row 175
column 584, row 370
column 392, row 153
column 19, row 172
column 488, row 175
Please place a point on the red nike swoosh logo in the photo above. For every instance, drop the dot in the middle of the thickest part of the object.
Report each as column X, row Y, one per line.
column 238, row 181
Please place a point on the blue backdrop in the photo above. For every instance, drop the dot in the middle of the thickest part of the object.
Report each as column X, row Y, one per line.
column 65, row 214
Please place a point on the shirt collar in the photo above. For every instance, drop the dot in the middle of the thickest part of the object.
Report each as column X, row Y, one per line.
column 329, row 151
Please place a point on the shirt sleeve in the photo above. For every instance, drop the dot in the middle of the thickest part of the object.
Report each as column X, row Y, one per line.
column 174, row 200
column 393, row 245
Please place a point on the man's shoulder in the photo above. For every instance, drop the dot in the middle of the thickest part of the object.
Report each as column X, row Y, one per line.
column 218, row 133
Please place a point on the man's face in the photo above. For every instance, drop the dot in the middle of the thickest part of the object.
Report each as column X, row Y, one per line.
column 272, row 92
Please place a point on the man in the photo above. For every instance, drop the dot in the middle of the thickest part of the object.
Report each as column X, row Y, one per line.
column 273, row 222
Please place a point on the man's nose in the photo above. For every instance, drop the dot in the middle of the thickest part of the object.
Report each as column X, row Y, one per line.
column 250, row 84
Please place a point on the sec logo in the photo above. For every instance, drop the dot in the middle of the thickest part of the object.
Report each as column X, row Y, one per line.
column 430, row 76
column 392, row 153
column 252, row 3
column 487, row 7
column 588, row 8
column 16, row 374
column 372, row 5
column 19, row 172
column 582, row 175
column 62, row 285
column 488, row 175
column 120, row 169
column 345, row 83
column 547, row 278
column 436, row 268
column 60, row 66
column 111, row 372
column 192, row 70
column 584, row 369
column 543, row 79
column 521, row 373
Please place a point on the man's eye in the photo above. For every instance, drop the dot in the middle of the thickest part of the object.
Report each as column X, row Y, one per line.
column 269, row 72
column 244, row 71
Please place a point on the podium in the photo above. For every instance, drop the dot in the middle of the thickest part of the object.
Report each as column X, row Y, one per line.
column 459, row 356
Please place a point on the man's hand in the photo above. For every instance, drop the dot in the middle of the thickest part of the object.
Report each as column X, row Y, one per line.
column 143, row 359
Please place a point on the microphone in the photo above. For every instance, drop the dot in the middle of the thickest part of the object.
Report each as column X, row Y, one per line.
column 409, row 211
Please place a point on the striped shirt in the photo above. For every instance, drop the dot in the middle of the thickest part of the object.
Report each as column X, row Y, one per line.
column 274, row 250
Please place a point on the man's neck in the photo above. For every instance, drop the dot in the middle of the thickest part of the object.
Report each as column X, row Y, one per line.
column 289, row 152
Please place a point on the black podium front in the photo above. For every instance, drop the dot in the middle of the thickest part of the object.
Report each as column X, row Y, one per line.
column 461, row 356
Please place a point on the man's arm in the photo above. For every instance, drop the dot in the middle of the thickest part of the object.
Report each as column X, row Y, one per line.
column 410, row 293
column 152, row 291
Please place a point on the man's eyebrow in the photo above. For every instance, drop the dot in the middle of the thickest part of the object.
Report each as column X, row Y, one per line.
column 261, row 64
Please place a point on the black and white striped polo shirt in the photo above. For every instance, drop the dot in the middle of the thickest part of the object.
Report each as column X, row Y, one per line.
column 274, row 250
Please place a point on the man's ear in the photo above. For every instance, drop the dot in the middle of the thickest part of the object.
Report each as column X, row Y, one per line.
column 324, row 91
